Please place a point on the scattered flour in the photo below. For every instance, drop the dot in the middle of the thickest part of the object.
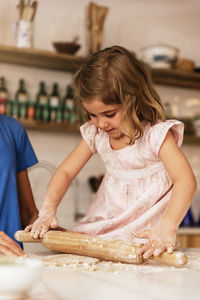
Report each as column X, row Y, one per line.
column 89, row 264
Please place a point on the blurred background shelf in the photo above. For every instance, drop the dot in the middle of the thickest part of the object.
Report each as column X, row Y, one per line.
column 192, row 139
column 189, row 237
column 49, row 126
column 40, row 58
column 64, row 62
column 175, row 77
column 62, row 127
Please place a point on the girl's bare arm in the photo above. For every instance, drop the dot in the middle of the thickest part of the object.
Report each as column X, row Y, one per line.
column 163, row 235
column 184, row 182
column 57, row 188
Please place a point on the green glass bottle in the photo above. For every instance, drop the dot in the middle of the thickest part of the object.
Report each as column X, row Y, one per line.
column 9, row 108
column 3, row 96
column 54, row 102
column 22, row 100
column 69, row 107
column 42, row 106
column 66, row 109
column 59, row 113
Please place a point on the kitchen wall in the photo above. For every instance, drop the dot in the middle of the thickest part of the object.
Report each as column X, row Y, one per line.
column 131, row 23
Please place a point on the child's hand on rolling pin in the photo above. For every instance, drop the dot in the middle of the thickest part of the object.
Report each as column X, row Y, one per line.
column 47, row 220
column 162, row 237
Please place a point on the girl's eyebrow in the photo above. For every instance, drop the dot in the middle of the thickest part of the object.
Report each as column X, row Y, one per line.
column 103, row 112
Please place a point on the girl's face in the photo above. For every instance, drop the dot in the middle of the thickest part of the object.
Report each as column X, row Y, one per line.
column 105, row 117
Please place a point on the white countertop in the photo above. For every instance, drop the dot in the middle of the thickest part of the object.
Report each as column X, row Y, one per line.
column 138, row 282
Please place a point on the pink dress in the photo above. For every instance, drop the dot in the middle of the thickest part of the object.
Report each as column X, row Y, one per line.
column 136, row 187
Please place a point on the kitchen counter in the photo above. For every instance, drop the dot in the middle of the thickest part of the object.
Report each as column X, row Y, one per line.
column 119, row 281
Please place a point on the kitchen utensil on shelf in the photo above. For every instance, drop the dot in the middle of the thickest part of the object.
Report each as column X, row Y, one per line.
column 27, row 11
column 67, row 47
column 94, row 246
column 96, row 16
column 24, row 25
column 159, row 56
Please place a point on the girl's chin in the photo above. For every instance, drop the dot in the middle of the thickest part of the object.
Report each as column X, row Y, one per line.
column 115, row 134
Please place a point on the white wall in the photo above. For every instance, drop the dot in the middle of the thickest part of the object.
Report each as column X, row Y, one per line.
column 131, row 23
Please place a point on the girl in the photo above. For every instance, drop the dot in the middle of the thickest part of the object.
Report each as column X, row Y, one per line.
column 148, row 186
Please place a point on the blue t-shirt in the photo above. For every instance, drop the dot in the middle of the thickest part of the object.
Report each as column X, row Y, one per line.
column 16, row 155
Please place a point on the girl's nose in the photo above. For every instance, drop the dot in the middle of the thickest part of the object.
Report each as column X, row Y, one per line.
column 102, row 123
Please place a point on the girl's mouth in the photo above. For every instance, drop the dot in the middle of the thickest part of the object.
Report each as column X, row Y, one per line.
column 110, row 130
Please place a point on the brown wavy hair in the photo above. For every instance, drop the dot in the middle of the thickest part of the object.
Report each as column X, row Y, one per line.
column 116, row 76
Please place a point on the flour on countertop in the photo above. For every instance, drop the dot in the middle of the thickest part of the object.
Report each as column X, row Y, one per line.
column 89, row 264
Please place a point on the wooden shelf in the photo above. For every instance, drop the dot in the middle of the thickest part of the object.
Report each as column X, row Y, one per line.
column 191, row 139
column 189, row 237
column 175, row 77
column 40, row 58
column 63, row 62
column 49, row 127
column 189, row 231
column 62, row 127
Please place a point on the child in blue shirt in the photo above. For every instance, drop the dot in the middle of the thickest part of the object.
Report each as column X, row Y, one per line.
column 17, row 206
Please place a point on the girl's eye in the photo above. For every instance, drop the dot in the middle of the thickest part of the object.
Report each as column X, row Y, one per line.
column 91, row 115
column 111, row 115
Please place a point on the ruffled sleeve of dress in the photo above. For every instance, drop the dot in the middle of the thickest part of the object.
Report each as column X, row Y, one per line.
column 157, row 133
column 88, row 132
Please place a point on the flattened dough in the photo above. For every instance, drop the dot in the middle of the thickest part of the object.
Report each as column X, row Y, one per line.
column 68, row 259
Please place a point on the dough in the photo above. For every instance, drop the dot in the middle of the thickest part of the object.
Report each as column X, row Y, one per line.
column 68, row 259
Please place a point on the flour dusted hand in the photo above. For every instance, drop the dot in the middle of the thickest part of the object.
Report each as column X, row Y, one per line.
column 47, row 220
column 161, row 237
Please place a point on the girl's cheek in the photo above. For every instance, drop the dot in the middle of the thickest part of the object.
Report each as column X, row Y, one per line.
column 93, row 121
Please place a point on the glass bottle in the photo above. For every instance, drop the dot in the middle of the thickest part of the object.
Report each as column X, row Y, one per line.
column 42, row 105
column 3, row 96
column 21, row 99
column 168, row 110
column 9, row 108
column 54, row 102
column 69, row 107
column 66, row 109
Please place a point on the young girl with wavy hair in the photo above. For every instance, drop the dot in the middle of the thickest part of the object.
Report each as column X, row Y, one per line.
column 148, row 185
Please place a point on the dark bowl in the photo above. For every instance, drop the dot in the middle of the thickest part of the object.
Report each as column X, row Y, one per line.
column 66, row 47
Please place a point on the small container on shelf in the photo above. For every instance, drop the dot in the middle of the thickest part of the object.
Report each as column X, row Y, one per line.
column 67, row 47
column 31, row 110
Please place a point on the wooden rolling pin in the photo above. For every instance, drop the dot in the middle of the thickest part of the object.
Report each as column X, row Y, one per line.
column 93, row 246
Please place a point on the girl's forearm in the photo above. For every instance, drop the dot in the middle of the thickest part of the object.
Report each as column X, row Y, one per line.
column 180, row 201
column 55, row 192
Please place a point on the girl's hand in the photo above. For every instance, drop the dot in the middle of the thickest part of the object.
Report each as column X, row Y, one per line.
column 46, row 220
column 161, row 237
column 42, row 225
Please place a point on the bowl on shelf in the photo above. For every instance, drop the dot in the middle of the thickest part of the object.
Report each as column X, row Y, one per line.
column 160, row 56
column 66, row 47
column 18, row 276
